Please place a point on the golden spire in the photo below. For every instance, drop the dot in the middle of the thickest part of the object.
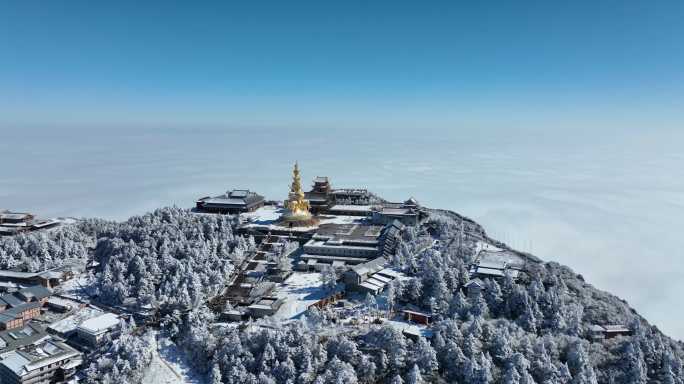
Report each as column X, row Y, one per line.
column 296, row 204
column 296, row 187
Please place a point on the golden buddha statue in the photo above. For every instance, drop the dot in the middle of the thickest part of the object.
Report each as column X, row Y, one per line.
column 297, row 206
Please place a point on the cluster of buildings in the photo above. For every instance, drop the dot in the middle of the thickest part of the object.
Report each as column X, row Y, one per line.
column 50, row 278
column 321, row 200
column 12, row 223
column 370, row 277
column 18, row 307
column 348, row 230
column 342, row 245
column 43, row 335
column 251, row 291
column 48, row 361
column 492, row 264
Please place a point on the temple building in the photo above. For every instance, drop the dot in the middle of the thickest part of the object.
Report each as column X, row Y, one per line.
column 341, row 245
column 296, row 206
column 235, row 201
column 407, row 212
column 13, row 223
column 319, row 197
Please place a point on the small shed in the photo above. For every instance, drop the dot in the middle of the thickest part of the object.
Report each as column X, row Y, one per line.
column 474, row 288
column 267, row 306
column 416, row 317
column 599, row 332
column 233, row 315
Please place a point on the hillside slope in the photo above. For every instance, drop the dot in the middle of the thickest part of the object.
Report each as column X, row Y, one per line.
column 532, row 327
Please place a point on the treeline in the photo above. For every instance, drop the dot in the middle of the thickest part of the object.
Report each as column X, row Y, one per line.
column 475, row 351
column 37, row 251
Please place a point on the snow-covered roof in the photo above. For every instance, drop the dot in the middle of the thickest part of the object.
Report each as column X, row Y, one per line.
column 239, row 197
column 15, row 362
column 15, row 216
column 52, row 274
column 490, row 272
column 239, row 193
column 36, row 291
column 22, row 224
column 30, row 333
column 24, row 361
column 351, row 208
column 416, row 312
column 349, row 259
column 616, row 328
column 8, row 285
column 411, row 201
column 494, row 264
column 11, row 300
column 475, row 282
column 376, row 282
column 100, row 323
column 371, row 266
column 490, row 254
column 411, row 329
column 337, row 244
column 389, row 272
column 224, row 200
column 61, row 303
column 396, row 211
column 371, row 287
column 382, row 278
column 17, row 274
column 45, row 223
column 495, row 272
column 70, row 323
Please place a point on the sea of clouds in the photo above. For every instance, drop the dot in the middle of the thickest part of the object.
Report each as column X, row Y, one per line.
column 609, row 205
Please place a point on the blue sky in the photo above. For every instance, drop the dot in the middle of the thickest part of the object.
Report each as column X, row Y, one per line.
column 295, row 62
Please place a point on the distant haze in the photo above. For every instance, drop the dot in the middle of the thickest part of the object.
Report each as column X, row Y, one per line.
column 610, row 206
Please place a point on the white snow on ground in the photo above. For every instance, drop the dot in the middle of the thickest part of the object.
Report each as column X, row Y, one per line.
column 484, row 246
column 409, row 328
column 341, row 219
column 79, row 287
column 264, row 215
column 500, row 257
column 269, row 215
column 169, row 366
column 300, row 291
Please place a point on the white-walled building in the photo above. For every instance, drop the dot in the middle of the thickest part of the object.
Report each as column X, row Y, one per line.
column 92, row 331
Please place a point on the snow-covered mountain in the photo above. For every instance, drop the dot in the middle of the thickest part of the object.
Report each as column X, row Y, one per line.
column 530, row 322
